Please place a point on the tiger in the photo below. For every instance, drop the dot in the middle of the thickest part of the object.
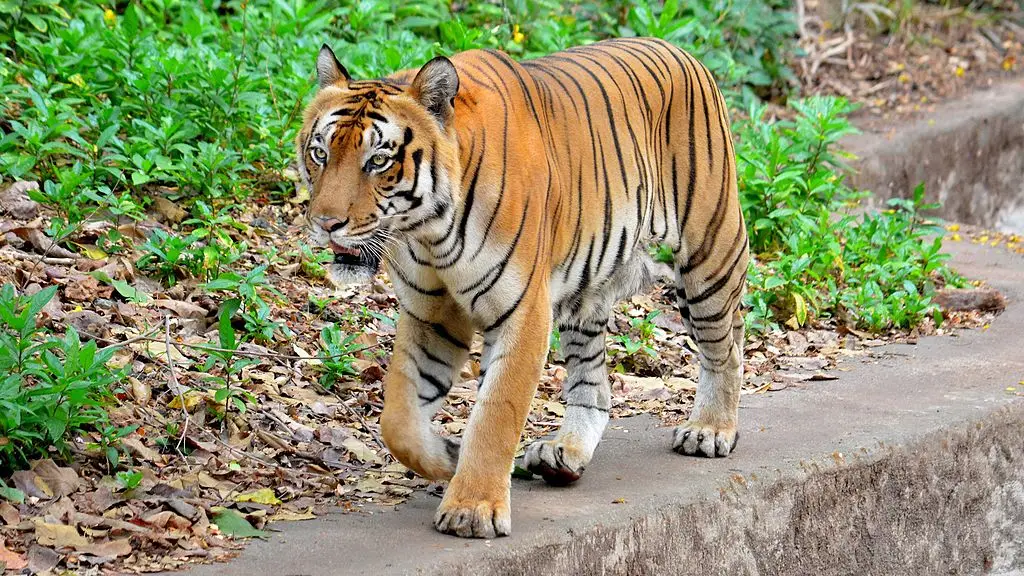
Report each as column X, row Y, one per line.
column 505, row 198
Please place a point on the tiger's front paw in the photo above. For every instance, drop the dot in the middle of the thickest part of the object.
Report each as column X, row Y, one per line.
column 474, row 511
column 560, row 462
column 697, row 437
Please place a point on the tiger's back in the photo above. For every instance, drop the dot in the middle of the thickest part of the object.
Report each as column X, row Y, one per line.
column 612, row 146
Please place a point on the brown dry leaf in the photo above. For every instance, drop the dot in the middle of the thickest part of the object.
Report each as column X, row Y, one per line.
column 41, row 559
column 11, row 560
column 9, row 514
column 61, row 480
column 15, row 200
column 141, row 391
column 291, row 516
column 98, row 501
column 182, row 309
column 167, row 519
column 138, row 449
column 169, row 210
column 58, row 535
column 361, row 451
column 45, row 245
column 555, row 407
column 84, row 288
column 109, row 549
column 159, row 350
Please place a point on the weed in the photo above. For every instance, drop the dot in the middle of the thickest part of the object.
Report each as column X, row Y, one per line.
column 53, row 387
column 338, row 355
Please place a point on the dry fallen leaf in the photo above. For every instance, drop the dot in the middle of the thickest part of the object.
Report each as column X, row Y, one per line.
column 169, row 210
column 58, row 535
column 361, row 450
column 42, row 559
column 9, row 514
column 110, row 549
column 261, row 496
column 11, row 560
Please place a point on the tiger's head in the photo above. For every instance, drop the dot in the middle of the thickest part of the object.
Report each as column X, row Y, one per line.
column 380, row 160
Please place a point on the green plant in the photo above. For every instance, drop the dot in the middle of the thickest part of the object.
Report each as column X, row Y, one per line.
column 247, row 301
column 129, row 479
column 313, row 262
column 110, row 442
column 337, row 355
column 226, row 393
column 52, row 387
column 171, row 257
column 814, row 259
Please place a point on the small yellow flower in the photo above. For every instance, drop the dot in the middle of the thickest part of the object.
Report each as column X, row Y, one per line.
column 903, row 78
column 109, row 17
column 959, row 71
column 953, row 227
column 955, row 238
column 517, row 36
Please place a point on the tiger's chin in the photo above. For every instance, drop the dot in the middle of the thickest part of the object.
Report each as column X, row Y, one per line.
column 353, row 267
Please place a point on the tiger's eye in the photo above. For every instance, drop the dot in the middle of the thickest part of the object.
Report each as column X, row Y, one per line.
column 319, row 155
column 378, row 160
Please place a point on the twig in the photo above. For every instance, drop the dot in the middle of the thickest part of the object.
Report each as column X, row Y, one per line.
column 248, row 455
column 144, row 336
column 36, row 260
column 273, row 355
column 366, row 426
column 176, row 386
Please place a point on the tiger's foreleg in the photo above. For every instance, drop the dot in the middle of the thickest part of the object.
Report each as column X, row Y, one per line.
column 429, row 354
column 476, row 503
column 587, row 395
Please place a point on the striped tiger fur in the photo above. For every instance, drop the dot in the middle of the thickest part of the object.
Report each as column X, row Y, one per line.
column 507, row 197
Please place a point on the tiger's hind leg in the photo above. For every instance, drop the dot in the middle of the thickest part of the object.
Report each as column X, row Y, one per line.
column 587, row 394
column 710, row 310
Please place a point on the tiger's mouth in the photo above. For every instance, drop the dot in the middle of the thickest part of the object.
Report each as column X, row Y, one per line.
column 353, row 265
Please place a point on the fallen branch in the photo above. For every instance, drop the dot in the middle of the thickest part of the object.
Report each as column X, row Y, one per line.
column 176, row 387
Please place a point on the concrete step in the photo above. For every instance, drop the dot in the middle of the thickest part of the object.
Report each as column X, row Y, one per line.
column 908, row 464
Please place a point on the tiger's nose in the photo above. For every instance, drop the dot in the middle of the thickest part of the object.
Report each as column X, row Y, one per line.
column 329, row 224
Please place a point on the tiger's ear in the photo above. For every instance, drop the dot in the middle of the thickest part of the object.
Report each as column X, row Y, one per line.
column 328, row 69
column 435, row 86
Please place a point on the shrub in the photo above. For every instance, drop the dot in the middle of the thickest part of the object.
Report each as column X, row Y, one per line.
column 53, row 387
column 815, row 258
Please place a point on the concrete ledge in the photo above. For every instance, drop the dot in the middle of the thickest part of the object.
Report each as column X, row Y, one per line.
column 969, row 153
column 908, row 464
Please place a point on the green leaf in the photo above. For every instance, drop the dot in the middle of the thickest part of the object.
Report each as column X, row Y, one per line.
column 224, row 328
column 113, row 456
column 12, row 494
column 801, row 308
column 235, row 525
column 123, row 288
column 37, row 22
column 521, row 473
